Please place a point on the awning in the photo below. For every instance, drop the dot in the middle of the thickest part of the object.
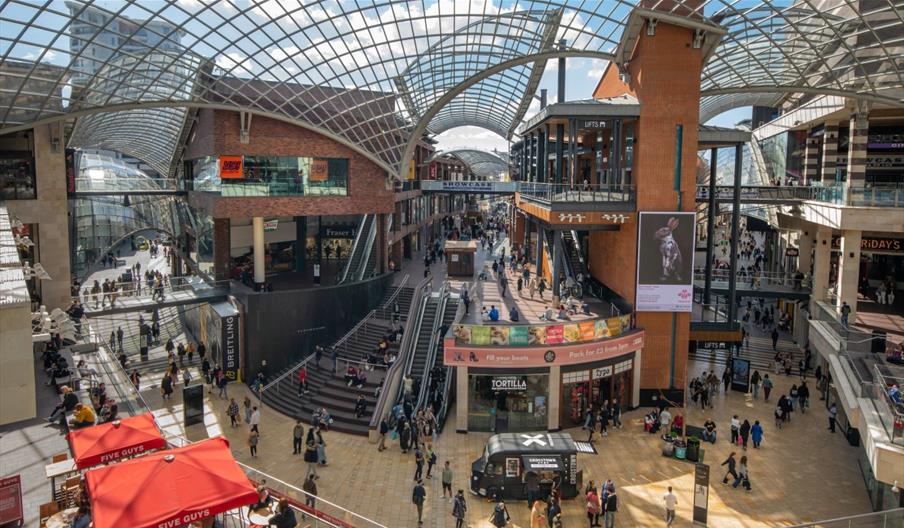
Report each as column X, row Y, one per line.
column 115, row 440
column 169, row 488
column 542, row 463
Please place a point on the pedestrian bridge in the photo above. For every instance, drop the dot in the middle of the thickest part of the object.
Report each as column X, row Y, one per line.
column 136, row 297
column 764, row 284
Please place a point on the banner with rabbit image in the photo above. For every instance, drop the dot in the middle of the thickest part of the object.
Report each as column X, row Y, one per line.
column 665, row 262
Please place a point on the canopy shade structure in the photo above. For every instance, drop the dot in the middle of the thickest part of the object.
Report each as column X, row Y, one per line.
column 481, row 162
column 169, row 488
column 113, row 441
column 377, row 76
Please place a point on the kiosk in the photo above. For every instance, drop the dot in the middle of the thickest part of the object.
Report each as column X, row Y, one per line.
column 460, row 255
column 510, row 460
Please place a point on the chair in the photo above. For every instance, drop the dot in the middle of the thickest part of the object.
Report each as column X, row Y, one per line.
column 69, row 492
column 60, row 457
column 46, row 511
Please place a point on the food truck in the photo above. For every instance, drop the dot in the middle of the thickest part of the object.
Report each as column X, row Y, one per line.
column 510, row 460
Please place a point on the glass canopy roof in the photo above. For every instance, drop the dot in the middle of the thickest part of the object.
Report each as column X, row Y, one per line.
column 375, row 75
column 482, row 163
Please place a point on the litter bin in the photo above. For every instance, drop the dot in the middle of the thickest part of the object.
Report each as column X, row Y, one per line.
column 693, row 449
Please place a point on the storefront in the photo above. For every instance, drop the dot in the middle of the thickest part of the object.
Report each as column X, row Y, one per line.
column 590, row 386
column 501, row 402
column 881, row 259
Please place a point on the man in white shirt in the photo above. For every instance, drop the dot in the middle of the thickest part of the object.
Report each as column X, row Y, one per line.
column 255, row 419
column 735, row 429
column 665, row 418
column 670, row 502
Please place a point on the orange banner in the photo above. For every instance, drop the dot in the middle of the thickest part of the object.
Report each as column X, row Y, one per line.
column 320, row 170
column 231, row 168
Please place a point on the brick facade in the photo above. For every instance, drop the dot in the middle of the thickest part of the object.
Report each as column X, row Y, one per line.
column 217, row 134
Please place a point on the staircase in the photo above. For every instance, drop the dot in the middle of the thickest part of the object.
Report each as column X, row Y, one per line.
column 759, row 353
column 328, row 389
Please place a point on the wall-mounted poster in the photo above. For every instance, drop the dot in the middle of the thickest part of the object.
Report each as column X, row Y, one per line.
column 555, row 334
column 518, row 336
column 665, row 262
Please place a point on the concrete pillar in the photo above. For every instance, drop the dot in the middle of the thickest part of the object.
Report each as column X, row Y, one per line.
column 461, row 399
column 821, row 263
column 635, row 387
column 257, row 235
column 830, row 152
column 849, row 271
column 541, row 241
column 541, row 155
column 301, row 240
column 221, row 243
column 560, row 153
column 554, row 399
column 857, row 144
column 805, row 247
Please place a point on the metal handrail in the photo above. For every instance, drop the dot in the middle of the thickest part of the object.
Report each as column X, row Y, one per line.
column 355, row 246
column 409, row 356
column 392, row 374
column 368, row 247
column 431, row 347
column 285, row 374
column 450, row 371
column 370, row 315
column 884, row 514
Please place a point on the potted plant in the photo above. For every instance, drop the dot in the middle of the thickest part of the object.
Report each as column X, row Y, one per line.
column 668, row 445
column 680, row 448
column 693, row 449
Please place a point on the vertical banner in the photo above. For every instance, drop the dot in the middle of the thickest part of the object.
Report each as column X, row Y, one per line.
column 11, row 500
column 230, row 346
column 701, row 493
column 411, row 169
column 665, row 262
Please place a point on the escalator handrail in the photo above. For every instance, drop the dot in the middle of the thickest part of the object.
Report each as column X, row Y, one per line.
column 355, row 249
column 369, row 245
column 392, row 373
column 431, row 348
column 412, row 345
column 450, row 371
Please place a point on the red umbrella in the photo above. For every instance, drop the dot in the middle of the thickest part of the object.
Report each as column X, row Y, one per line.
column 170, row 488
column 115, row 440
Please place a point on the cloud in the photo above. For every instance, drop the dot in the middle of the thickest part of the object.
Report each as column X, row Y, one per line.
column 234, row 63
column 595, row 73
column 471, row 136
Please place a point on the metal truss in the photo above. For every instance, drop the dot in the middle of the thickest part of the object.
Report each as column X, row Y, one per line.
column 484, row 164
column 376, row 74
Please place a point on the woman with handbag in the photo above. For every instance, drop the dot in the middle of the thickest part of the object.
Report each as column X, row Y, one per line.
column 310, row 454
column 593, row 508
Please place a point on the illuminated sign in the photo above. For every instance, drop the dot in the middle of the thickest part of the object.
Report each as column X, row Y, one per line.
column 231, row 168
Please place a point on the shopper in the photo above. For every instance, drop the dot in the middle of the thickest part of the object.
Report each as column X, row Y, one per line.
column 459, row 508
column 745, row 433
column 233, row 412
column 756, row 434
column 767, row 387
column 246, row 403
column 447, row 479
column 735, row 429
column 321, row 447
column 310, row 454
column 253, row 439
column 611, row 508
column 255, row 419
column 833, row 415
column 310, row 489
column 671, row 501
column 417, row 497
column 742, row 476
column 803, row 396
column 500, row 516
column 755, row 381
column 419, row 462
column 732, row 465
column 285, row 515
column 297, row 437
column 593, row 508
column 384, row 430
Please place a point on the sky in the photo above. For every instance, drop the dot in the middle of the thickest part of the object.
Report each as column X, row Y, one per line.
column 581, row 77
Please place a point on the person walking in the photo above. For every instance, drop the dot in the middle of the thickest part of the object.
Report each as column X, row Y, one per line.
column 419, row 461
column 310, row 454
column 732, row 467
column 310, row 489
column 253, row 438
column 119, row 336
column 246, row 403
column 538, row 514
column 321, row 447
column 671, row 501
column 459, row 508
column 756, row 434
column 611, row 508
column 775, row 339
column 767, row 387
column 755, row 380
column 384, row 430
column 833, row 415
column 447, row 479
column 255, row 419
column 803, row 396
column 745, row 433
column 500, row 516
column 593, row 508
column 735, row 429
column 303, row 381
column 417, row 497
column 233, row 412
column 297, row 437
column 742, row 477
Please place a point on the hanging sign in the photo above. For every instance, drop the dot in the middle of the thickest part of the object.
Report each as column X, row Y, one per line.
column 231, row 168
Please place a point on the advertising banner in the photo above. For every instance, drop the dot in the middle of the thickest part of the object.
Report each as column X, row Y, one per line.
column 11, row 500
column 701, row 493
column 540, row 356
column 665, row 260
column 231, row 168
column 532, row 335
column 320, row 170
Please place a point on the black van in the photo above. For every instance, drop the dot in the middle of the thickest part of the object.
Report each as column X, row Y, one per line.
column 510, row 460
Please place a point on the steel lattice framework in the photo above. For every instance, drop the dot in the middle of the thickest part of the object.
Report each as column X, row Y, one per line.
column 377, row 74
column 482, row 163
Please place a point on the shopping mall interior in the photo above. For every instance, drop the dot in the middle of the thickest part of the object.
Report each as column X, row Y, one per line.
column 474, row 263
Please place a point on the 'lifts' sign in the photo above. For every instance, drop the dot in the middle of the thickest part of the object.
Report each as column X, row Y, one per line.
column 891, row 245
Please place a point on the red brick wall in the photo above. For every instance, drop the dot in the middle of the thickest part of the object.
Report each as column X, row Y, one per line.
column 217, row 134
column 665, row 76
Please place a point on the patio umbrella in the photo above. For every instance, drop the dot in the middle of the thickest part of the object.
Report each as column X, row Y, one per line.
column 115, row 440
column 170, row 488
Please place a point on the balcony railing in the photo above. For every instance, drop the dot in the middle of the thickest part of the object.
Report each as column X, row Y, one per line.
column 873, row 195
column 759, row 280
column 276, row 186
column 578, row 193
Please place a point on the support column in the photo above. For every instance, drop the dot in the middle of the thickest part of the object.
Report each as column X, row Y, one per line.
column 857, row 144
column 805, row 253
column 830, row 153
column 301, row 240
column 221, row 243
column 461, row 399
column 572, row 152
column 541, row 156
column 811, row 161
column 554, row 398
column 541, row 242
column 560, row 146
column 821, row 263
column 257, row 235
column 735, row 225
column 615, row 149
column 710, row 226
column 849, row 271
column 532, row 157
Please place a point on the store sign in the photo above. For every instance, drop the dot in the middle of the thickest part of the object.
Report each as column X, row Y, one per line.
column 792, row 252
column 509, row 384
column 541, row 356
column 271, row 225
column 11, row 500
column 337, row 231
column 231, row 168
column 433, row 171
column 595, row 123
column 602, row 372
column 230, row 343
column 712, row 345
column 320, row 169
column 573, row 468
column 874, row 244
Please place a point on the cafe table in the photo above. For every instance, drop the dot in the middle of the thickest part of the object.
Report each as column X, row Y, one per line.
column 61, row 519
column 260, row 516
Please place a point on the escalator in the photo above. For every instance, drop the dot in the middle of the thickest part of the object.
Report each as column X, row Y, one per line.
column 573, row 255
column 440, row 383
column 417, row 358
column 362, row 255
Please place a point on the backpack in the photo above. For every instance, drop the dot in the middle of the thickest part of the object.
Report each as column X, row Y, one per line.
column 432, row 459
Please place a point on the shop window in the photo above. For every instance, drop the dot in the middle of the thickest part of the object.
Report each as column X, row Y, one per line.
column 575, row 377
column 17, row 177
column 507, row 403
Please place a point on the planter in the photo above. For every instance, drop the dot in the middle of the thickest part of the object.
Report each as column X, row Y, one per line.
column 693, row 449
column 668, row 449
column 680, row 452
